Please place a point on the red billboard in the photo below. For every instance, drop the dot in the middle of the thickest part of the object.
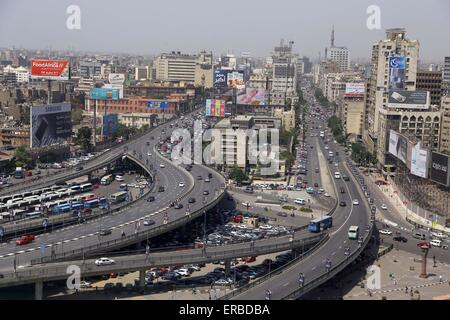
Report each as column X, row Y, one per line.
column 50, row 69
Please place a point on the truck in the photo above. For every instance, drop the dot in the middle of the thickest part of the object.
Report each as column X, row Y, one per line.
column 19, row 173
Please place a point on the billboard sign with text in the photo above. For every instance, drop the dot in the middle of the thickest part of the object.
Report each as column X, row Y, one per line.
column 409, row 99
column 439, row 171
column 50, row 69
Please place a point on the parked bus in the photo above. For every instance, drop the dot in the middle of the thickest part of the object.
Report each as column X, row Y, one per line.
column 61, row 208
column 353, row 232
column 86, row 187
column 319, row 224
column 33, row 215
column 75, row 189
column 92, row 203
column 107, row 179
column 119, row 197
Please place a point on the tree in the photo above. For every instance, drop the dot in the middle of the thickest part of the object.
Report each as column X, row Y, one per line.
column 22, row 156
column 286, row 155
column 238, row 175
column 84, row 136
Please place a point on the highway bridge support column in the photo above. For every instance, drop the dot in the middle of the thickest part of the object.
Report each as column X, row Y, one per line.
column 227, row 267
column 38, row 290
column 142, row 278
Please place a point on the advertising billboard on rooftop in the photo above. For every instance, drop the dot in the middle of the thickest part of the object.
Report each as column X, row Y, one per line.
column 220, row 78
column 235, row 79
column 397, row 66
column 252, row 96
column 355, row 89
column 153, row 104
column 110, row 124
column 215, row 108
column 50, row 124
column 116, row 78
column 104, row 94
column 50, row 69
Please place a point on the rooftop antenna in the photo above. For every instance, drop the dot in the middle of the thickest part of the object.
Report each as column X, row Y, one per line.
column 332, row 37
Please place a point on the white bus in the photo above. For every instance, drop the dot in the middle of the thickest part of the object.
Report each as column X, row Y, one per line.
column 353, row 232
column 107, row 179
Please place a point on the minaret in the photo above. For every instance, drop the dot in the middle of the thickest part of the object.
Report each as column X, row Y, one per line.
column 332, row 37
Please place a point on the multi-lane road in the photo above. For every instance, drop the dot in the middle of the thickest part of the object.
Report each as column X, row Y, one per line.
column 314, row 265
column 130, row 220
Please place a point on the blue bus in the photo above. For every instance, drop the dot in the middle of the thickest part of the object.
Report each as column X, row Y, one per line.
column 61, row 208
column 320, row 223
column 92, row 203
column 75, row 189
column 77, row 205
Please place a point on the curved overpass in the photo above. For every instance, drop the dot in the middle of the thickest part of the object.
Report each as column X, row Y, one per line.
column 73, row 239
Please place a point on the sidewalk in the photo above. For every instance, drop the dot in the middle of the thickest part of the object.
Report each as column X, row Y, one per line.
column 391, row 192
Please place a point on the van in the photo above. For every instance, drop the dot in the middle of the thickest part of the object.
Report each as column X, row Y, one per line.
column 436, row 243
column 419, row 235
column 299, row 201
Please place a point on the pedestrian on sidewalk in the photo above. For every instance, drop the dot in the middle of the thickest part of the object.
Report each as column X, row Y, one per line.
column 440, row 278
column 406, row 289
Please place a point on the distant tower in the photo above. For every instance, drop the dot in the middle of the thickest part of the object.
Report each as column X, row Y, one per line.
column 332, row 37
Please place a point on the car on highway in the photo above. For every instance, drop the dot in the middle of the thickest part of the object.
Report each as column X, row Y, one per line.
column 386, row 232
column 181, row 184
column 25, row 240
column 161, row 189
column 343, row 204
column 326, row 195
column 161, row 165
column 105, row 232
column 400, row 239
column 178, row 206
column 150, row 199
column 207, row 180
column 191, row 200
column 104, row 262
column 149, row 222
column 384, row 207
column 356, row 202
column 206, row 192
column 342, row 190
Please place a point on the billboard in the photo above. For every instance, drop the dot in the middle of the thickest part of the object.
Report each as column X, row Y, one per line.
column 50, row 69
column 235, row 79
column 157, row 104
column 398, row 146
column 104, row 94
column 220, row 78
column 355, row 89
column 419, row 161
column 115, row 86
column 215, row 108
column 439, row 172
column 409, row 99
column 50, row 124
column 252, row 96
column 397, row 66
column 116, row 78
column 110, row 123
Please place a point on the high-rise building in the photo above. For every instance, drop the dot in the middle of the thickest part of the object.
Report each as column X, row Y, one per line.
column 396, row 47
column 340, row 55
column 178, row 67
column 445, row 125
column 90, row 69
column 446, row 70
column 430, row 81
column 142, row 73
column 284, row 74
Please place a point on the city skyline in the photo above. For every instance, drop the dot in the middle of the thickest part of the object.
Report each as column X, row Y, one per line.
column 349, row 20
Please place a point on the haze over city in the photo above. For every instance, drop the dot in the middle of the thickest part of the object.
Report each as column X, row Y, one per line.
column 152, row 27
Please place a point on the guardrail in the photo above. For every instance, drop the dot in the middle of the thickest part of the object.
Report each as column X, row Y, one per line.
column 139, row 262
column 324, row 238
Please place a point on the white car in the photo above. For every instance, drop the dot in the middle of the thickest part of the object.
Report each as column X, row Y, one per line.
column 149, row 154
column 300, row 201
column 326, row 195
column 85, row 284
column 326, row 148
column 246, row 204
column 181, row 184
column 438, row 235
column 356, row 202
column 436, row 243
column 162, row 165
column 386, row 232
column 119, row 178
column 384, row 207
column 336, row 164
column 104, row 262
column 183, row 272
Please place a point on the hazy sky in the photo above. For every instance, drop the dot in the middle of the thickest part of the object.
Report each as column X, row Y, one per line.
column 152, row 27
